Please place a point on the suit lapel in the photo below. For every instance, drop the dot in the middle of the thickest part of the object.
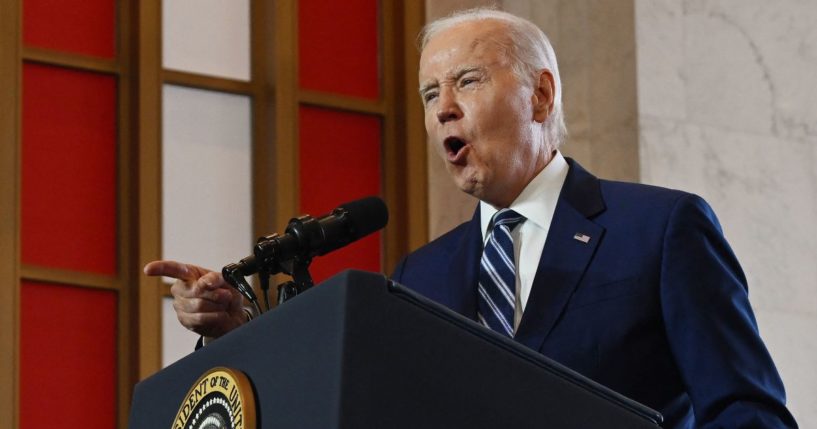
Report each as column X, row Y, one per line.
column 565, row 257
column 462, row 285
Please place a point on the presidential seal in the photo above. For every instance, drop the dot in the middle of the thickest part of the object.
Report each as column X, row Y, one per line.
column 222, row 398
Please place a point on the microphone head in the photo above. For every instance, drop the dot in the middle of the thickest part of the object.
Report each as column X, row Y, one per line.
column 366, row 216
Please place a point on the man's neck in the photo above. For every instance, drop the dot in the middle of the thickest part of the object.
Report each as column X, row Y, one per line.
column 506, row 199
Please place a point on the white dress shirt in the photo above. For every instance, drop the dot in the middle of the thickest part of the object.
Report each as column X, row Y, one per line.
column 537, row 203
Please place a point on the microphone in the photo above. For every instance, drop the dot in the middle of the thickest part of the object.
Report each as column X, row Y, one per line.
column 307, row 237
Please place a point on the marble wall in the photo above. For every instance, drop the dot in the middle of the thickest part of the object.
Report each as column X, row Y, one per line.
column 727, row 108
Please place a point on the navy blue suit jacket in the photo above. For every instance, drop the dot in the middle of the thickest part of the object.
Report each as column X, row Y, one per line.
column 654, row 306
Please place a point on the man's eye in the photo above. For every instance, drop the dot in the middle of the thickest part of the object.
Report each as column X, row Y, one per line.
column 467, row 81
column 429, row 96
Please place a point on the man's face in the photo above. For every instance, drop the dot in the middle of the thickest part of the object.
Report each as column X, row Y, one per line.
column 480, row 118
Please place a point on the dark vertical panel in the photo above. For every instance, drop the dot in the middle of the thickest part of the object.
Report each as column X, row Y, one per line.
column 69, row 170
column 78, row 26
column 340, row 161
column 67, row 357
column 338, row 47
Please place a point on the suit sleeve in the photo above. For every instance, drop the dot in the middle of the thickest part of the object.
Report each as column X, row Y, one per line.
column 729, row 375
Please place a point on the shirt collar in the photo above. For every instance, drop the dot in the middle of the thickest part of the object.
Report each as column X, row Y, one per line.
column 538, row 199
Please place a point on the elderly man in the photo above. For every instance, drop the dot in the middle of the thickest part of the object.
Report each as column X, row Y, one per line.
column 630, row 285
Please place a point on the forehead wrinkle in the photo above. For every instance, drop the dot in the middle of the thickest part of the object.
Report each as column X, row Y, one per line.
column 429, row 86
column 452, row 76
column 461, row 70
column 491, row 40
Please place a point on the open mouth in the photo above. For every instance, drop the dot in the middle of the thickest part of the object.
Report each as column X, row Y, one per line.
column 453, row 146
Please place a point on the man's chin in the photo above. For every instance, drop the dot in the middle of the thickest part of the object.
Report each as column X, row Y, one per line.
column 476, row 189
column 471, row 187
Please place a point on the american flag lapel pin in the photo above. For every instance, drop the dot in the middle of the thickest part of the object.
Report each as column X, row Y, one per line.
column 582, row 237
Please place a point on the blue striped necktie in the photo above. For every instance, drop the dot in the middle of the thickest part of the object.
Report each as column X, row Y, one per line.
column 497, row 274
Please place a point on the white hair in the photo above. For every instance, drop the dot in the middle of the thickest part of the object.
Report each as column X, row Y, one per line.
column 530, row 52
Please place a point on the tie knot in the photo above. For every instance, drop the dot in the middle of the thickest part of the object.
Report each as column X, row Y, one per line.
column 508, row 218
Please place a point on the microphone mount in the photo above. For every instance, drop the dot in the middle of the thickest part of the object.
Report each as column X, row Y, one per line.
column 305, row 237
column 296, row 267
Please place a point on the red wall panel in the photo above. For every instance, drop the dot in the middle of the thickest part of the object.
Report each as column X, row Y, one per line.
column 338, row 47
column 67, row 357
column 78, row 26
column 69, row 170
column 339, row 162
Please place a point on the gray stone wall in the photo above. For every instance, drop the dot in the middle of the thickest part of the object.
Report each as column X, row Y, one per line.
column 727, row 108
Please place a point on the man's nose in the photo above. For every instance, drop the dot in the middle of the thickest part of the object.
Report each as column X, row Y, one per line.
column 448, row 109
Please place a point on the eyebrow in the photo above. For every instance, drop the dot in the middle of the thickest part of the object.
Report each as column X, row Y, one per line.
column 455, row 75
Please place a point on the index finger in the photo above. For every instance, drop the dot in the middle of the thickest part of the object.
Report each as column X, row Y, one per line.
column 176, row 270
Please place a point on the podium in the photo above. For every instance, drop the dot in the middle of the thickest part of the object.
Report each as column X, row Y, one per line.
column 359, row 351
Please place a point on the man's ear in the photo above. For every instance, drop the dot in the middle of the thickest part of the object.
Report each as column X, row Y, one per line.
column 544, row 92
